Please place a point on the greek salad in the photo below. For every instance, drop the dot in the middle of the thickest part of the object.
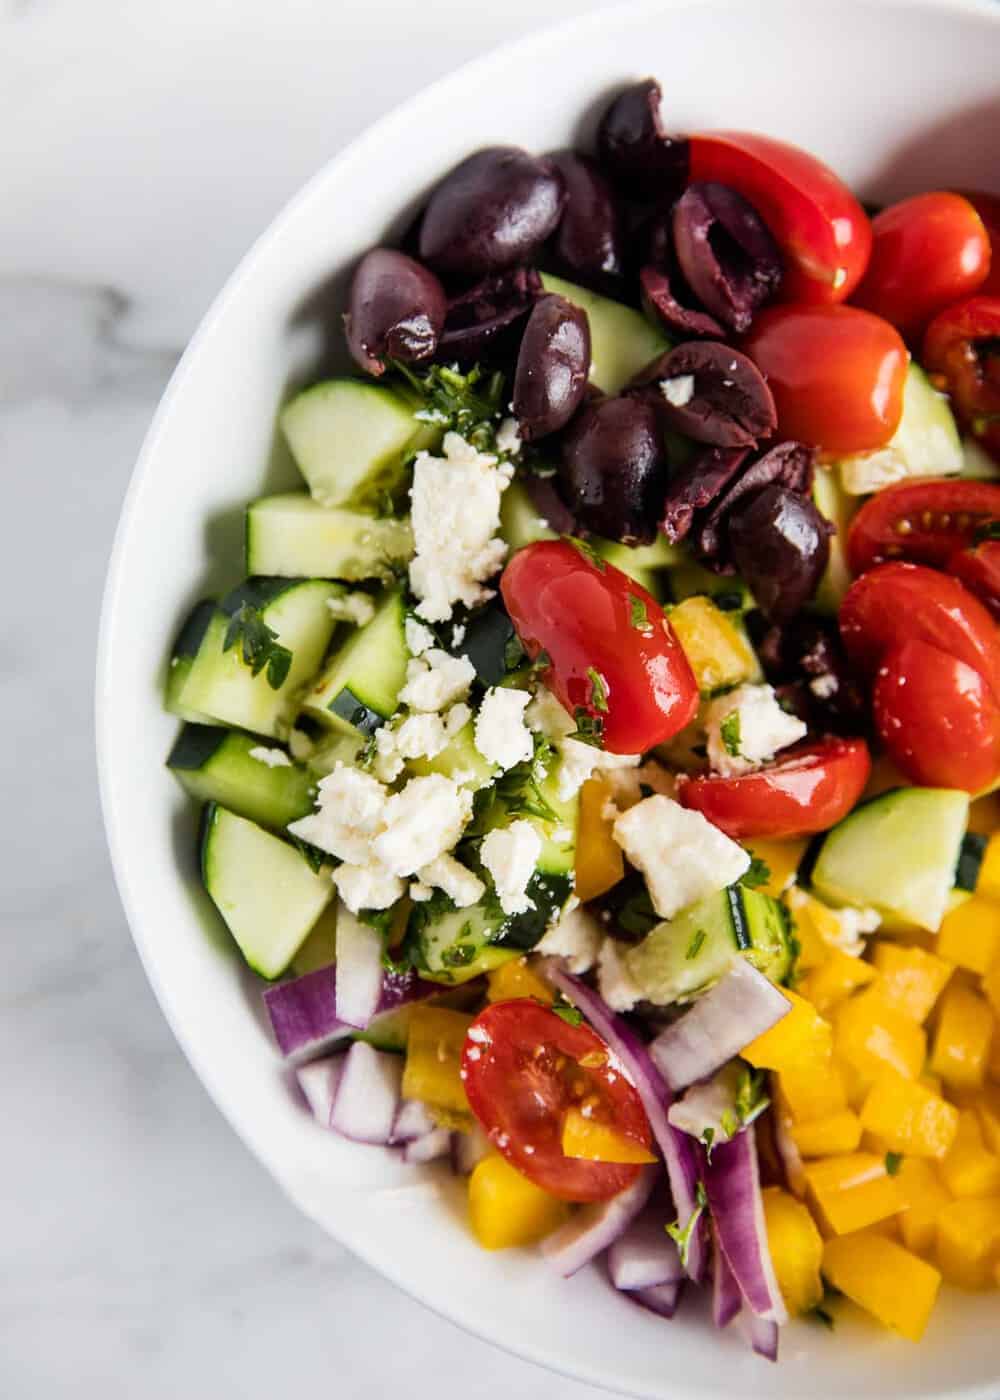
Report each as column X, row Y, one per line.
column 596, row 760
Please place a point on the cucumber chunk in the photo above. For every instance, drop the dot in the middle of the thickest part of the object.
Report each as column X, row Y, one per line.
column 839, row 508
column 926, row 443
column 358, row 690
column 897, row 854
column 263, row 887
column 460, row 756
column 977, row 464
column 682, row 957
column 622, row 341
column 970, row 861
column 182, row 657
column 728, row 593
column 520, row 522
column 293, row 536
column 217, row 765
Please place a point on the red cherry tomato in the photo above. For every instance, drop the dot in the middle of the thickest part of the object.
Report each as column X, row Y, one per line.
column 523, row 1067
column 924, row 522
column 896, row 603
column 987, row 206
column 979, row 569
column 615, row 662
column 927, row 252
column 822, row 230
column 962, row 354
column 809, row 791
column 938, row 719
column 836, row 373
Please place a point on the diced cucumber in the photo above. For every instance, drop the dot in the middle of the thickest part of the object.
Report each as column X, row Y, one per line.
column 217, row 765
column 263, row 887
column 684, row 956
column 332, row 749
column 970, row 861
column 351, row 440
column 926, row 443
column 839, row 508
column 728, row 593
column 661, row 554
column 977, row 464
column 897, row 854
column 459, row 758
column 182, row 658
column 293, row 536
column 221, row 686
column 320, row 948
column 360, row 685
column 622, row 341
column 520, row 522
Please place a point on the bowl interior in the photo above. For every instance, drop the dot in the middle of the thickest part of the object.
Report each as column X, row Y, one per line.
column 898, row 97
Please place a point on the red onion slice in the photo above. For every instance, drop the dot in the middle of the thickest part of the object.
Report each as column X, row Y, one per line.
column 644, row 1256
column 413, row 1120
column 319, row 1082
column 303, row 1012
column 595, row 1227
column 726, row 1297
column 468, row 1150
column 661, row 1298
column 435, row 1144
column 763, row 1335
column 732, row 1184
column 368, row 1095
column 359, row 969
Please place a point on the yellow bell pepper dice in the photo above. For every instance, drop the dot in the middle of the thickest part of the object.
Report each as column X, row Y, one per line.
column 968, row 1241
column 599, row 860
column 434, row 1045
column 818, row 928
column 782, row 859
column 825, row 1137
column 594, row 1141
column 969, row 1168
column 987, row 1108
column 927, row 1197
column 854, row 1191
column 970, row 934
column 872, row 1036
column 801, row 1037
column 962, row 1039
column 991, row 986
column 517, row 979
column 834, row 980
column 506, row 1209
column 813, row 1090
column 908, row 1118
column 719, row 655
column 796, row 1249
column 993, row 1063
column 896, row 1287
column 912, row 979
column 988, row 884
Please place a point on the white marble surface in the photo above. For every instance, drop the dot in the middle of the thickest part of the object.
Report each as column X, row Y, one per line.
column 142, row 147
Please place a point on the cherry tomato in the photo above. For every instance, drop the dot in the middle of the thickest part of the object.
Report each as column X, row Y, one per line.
column 523, row 1067
column 987, row 206
column 896, row 603
column 836, row 373
column 822, row 230
column 938, row 718
column 962, row 354
column 979, row 569
column 927, row 252
column 922, row 521
column 614, row 661
column 809, row 791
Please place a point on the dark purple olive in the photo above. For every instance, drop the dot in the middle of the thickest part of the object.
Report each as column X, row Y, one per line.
column 788, row 464
column 484, row 319
column 552, row 367
column 396, row 311
column 728, row 257
column 780, row 544
column 807, row 656
column 660, row 304
column 493, row 211
column 713, row 394
column 588, row 241
column 552, row 509
column 613, row 471
column 696, row 486
column 634, row 147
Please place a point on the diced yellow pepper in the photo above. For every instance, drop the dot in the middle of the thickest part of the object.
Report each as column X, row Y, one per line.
column 927, row 1197
column 517, row 979
column 969, row 1169
column 896, row 1287
column 970, row 934
column 854, row 1191
column 817, row 927
column 718, row 654
column 834, row 980
column 993, row 1064
column 593, row 1141
column 434, row 1046
column 912, row 979
column 908, row 1118
column 988, row 884
column 962, row 1038
column 599, row 860
column 826, row 1136
column 800, row 1038
column 968, row 1241
column 871, row 1036
column 782, row 859
column 796, row 1249
column 506, row 1209
column 984, row 815
column 813, row 1090
column 987, row 1107
column 991, row 986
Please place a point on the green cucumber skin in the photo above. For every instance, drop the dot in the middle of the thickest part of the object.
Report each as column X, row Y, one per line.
column 358, row 689
column 214, row 765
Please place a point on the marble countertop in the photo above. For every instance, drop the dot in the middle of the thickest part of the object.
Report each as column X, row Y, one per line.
column 142, row 147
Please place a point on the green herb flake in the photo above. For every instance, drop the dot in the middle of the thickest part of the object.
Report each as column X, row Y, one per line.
column 569, row 1014
column 729, row 732
column 589, row 729
column 588, row 552
column 728, row 1123
column 598, row 690
column 470, row 404
column 758, row 873
column 708, row 1139
column 751, row 1096
column 893, row 1162
column 259, row 645
column 638, row 614
column 683, row 1235
column 695, row 946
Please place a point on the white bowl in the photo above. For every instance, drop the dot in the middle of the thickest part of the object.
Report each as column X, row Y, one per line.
column 898, row 97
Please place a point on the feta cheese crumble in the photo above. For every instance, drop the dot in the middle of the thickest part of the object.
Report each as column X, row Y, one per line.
column 510, row 854
column 420, row 823
column 508, row 437
column 682, row 855
column 501, row 735
column 614, row 981
column 576, row 936
column 435, row 680
column 450, row 875
column 367, row 887
column 578, row 761
column 678, row 391
column 418, row 637
column 746, row 728
column 356, row 607
column 271, row 758
column 350, row 808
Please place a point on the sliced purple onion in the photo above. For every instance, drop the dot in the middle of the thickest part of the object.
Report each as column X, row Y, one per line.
column 661, row 1298
column 741, row 1006
column 595, row 1227
column 732, row 1183
column 644, row 1256
column 368, row 1095
column 304, row 1016
column 727, row 1300
column 468, row 1150
column 788, row 1151
column 359, row 969
column 412, row 1121
column 428, row 1148
column 763, row 1335
column 318, row 1082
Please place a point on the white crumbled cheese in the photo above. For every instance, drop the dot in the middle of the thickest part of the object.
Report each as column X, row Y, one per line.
column 350, row 809
column 301, row 745
column 678, row 391
column 578, row 761
column 271, row 758
column 387, row 763
column 510, row 854
column 421, row 736
column 420, row 823
column 458, row 634
column 508, row 437
column 418, row 637
column 501, row 735
column 367, row 887
column 455, row 513
column 627, row 783
column 435, row 680
column 682, row 855
column 419, row 892
column 356, row 607
column 614, row 981
column 459, row 884
column 456, row 718
column 824, row 687
column 746, row 728
column 575, row 936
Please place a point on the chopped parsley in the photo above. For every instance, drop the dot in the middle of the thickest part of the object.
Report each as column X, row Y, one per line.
column 893, row 1162
column 589, row 729
column 683, row 1235
column 751, row 1096
column 728, row 1123
column 695, row 946
column 729, row 732
column 638, row 615
column 469, row 404
column 569, row 1014
column 259, row 645
column 598, row 690
column 520, row 787
column 708, row 1138
column 758, row 873
column 588, row 551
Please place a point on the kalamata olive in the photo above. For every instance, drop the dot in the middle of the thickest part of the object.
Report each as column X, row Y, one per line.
column 493, row 211
column 660, row 304
column 807, row 655
column 696, row 486
column 780, row 544
column 727, row 255
column 634, row 147
column 788, row 464
column 588, row 241
column 551, row 507
column 713, row 394
column 613, row 471
column 552, row 367
column 396, row 310
column 484, row 319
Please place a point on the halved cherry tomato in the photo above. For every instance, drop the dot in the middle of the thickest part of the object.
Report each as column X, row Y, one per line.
column 523, row 1067
column 927, row 252
column 896, row 603
column 836, row 373
column 614, row 661
column 938, row 718
column 809, row 791
column 822, row 230
column 924, row 522
column 979, row 569
column 962, row 355
column 987, row 206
